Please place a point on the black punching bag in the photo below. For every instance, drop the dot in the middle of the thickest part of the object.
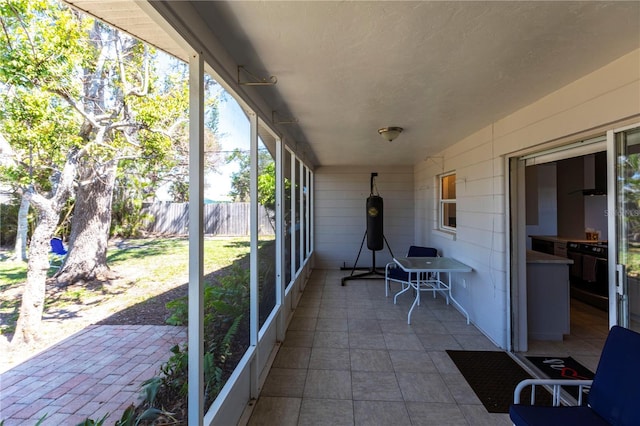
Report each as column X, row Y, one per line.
column 375, row 233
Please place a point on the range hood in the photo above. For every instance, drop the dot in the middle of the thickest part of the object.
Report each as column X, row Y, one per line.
column 593, row 191
column 595, row 174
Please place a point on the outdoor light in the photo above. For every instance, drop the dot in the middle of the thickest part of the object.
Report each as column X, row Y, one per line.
column 390, row 133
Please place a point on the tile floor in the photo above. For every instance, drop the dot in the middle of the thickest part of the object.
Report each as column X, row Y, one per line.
column 350, row 357
column 96, row 371
column 588, row 331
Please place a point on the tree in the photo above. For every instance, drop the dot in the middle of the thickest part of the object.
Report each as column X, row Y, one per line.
column 241, row 179
column 117, row 115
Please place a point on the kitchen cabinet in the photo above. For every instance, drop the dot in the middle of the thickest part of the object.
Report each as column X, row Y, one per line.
column 550, row 245
column 548, row 301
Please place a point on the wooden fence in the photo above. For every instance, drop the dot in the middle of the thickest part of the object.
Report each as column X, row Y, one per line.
column 225, row 219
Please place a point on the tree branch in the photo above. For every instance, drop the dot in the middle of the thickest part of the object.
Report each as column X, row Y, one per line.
column 77, row 106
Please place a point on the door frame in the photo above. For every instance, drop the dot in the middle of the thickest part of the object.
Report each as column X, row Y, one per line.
column 515, row 221
column 616, row 289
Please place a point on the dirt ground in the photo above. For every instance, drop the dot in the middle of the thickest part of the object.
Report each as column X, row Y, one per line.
column 111, row 302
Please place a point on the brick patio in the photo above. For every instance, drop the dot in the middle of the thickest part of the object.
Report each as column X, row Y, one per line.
column 96, row 371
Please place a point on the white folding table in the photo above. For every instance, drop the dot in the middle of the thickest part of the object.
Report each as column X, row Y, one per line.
column 424, row 275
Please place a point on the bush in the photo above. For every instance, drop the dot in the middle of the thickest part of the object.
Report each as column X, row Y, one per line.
column 225, row 324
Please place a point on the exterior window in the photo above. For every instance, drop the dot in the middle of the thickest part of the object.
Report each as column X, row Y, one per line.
column 447, row 219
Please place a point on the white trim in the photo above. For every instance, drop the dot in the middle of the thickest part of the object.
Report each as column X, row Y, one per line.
column 254, row 261
column 280, row 275
column 196, row 240
column 576, row 149
column 441, row 203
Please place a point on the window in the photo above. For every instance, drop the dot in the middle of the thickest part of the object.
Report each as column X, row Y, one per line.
column 447, row 202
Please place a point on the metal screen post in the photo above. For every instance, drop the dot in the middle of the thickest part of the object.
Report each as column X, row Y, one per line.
column 196, row 240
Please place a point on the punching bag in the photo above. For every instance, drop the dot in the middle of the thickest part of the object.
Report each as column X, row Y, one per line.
column 375, row 232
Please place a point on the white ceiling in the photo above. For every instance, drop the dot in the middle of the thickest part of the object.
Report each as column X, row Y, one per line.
column 439, row 69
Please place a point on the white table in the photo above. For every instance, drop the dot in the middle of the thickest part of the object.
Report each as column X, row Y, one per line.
column 420, row 279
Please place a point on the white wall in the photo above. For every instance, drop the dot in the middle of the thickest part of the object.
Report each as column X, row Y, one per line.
column 598, row 101
column 340, row 213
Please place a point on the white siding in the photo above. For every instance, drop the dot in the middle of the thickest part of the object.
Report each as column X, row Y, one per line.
column 340, row 213
column 598, row 101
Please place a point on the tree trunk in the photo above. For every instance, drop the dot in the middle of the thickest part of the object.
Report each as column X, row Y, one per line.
column 48, row 215
column 87, row 256
column 35, row 287
column 20, row 249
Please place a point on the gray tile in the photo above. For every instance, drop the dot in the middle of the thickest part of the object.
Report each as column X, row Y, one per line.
column 292, row 357
column 329, row 359
column 386, row 314
column 364, row 325
column 431, row 413
column 332, row 324
column 326, row 412
column 474, row 342
column 443, row 362
column 404, row 342
column 331, row 339
column 375, row 386
column 333, row 302
column 286, row 410
column 477, row 415
column 364, row 312
column 284, row 382
column 367, row 341
column 332, row 384
column 303, row 323
column 438, row 342
column 430, row 327
column 412, row 361
column 305, row 312
column 460, row 389
column 380, row 413
column 460, row 326
column 310, row 301
column 451, row 314
column 426, row 387
column 299, row 338
column 333, row 312
column 396, row 326
column 370, row 360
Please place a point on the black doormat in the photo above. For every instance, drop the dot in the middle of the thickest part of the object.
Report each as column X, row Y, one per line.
column 563, row 368
column 493, row 376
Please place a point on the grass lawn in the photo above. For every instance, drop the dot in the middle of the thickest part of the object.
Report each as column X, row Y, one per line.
column 146, row 264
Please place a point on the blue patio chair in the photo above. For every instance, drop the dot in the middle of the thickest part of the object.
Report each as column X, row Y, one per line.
column 393, row 273
column 58, row 252
column 614, row 397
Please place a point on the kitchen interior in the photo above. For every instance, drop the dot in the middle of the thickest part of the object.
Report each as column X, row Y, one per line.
column 567, row 276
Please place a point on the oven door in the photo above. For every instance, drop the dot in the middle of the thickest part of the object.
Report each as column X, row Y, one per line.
column 575, row 269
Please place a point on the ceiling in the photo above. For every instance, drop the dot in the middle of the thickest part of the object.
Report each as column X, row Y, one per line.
column 440, row 69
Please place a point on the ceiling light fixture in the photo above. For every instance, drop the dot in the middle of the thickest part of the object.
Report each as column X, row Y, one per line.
column 390, row 133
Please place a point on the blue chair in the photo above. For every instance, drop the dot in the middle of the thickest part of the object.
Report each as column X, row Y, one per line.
column 58, row 252
column 393, row 273
column 614, row 397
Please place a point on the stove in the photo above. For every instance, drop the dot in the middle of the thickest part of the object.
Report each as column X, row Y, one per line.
column 589, row 272
column 599, row 249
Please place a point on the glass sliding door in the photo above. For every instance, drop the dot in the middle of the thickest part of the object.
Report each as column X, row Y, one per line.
column 625, row 296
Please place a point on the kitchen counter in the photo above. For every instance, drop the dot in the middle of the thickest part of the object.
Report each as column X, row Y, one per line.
column 556, row 239
column 540, row 257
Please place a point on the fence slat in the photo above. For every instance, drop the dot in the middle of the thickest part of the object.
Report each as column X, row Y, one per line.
column 221, row 219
